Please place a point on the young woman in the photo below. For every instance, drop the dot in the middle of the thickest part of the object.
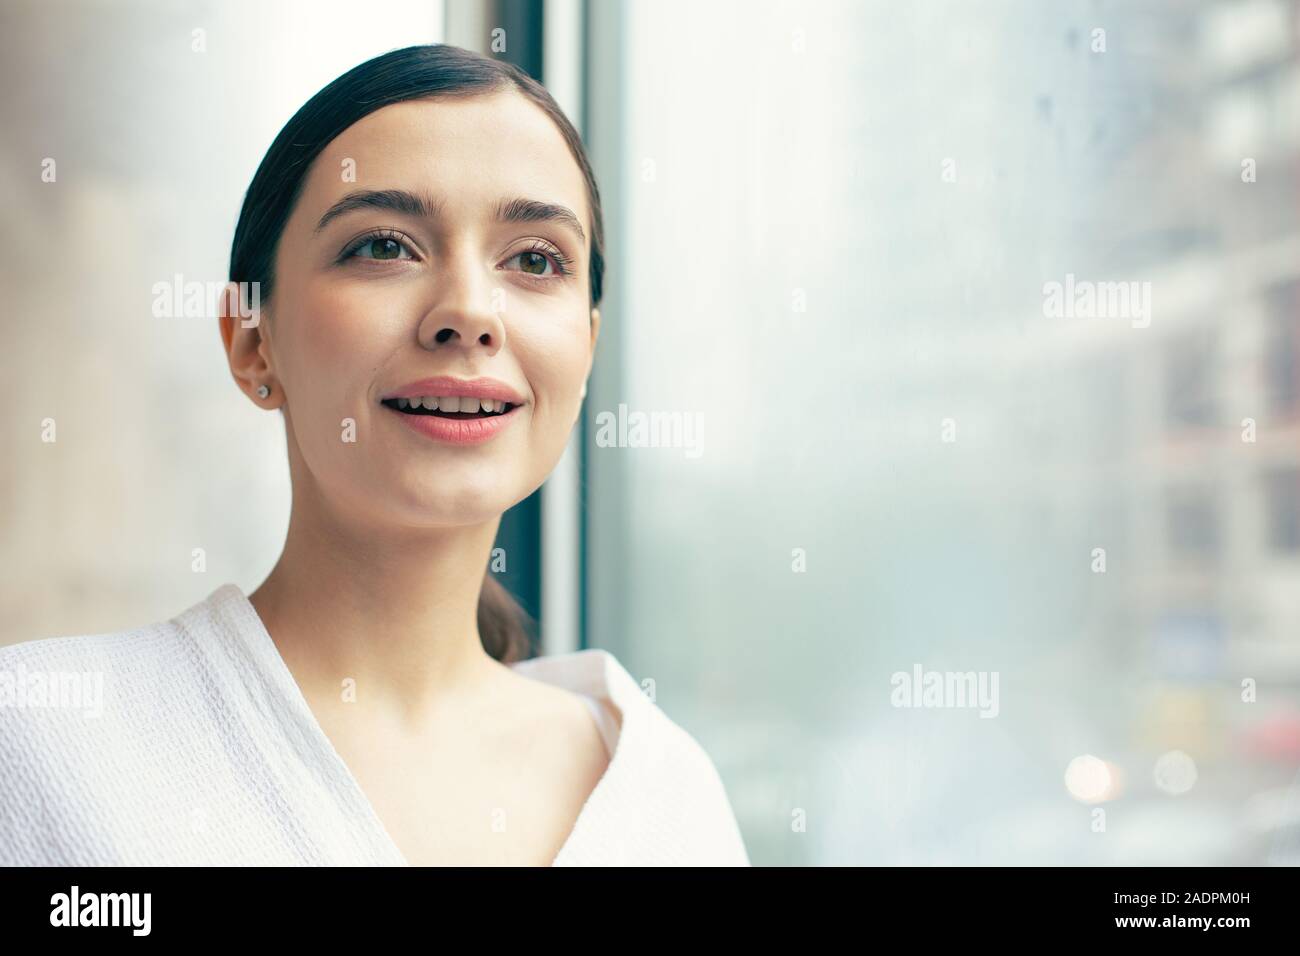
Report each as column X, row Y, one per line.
column 425, row 239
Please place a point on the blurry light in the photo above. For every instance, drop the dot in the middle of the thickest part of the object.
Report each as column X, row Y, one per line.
column 1090, row 779
column 1175, row 772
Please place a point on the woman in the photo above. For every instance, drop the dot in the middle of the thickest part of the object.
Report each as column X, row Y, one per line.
column 424, row 237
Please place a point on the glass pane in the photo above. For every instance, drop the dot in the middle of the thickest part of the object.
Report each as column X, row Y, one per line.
column 970, row 318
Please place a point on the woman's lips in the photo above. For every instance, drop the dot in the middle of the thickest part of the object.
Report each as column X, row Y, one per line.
column 458, row 431
column 449, row 385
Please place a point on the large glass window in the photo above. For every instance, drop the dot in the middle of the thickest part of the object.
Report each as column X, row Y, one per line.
column 964, row 301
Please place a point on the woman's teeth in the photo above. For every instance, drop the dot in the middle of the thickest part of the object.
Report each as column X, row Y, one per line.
column 453, row 403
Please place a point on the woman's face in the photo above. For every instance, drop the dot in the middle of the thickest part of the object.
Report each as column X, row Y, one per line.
column 464, row 266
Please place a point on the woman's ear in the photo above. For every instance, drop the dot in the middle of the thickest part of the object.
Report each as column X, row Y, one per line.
column 241, row 334
column 595, row 334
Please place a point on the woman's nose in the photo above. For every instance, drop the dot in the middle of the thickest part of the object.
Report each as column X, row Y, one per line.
column 465, row 312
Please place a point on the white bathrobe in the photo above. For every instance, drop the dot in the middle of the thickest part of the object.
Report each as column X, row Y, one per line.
column 188, row 742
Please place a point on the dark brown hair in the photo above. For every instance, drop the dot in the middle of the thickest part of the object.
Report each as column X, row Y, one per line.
column 415, row 72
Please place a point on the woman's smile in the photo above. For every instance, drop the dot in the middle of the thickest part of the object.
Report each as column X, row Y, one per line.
column 457, row 428
column 457, row 411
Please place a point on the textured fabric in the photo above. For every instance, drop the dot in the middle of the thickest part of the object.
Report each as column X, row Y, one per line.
column 205, row 752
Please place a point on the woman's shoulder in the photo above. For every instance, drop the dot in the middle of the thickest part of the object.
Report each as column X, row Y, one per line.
column 125, row 653
column 679, row 779
column 661, row 776
column 58, row 692
column 598, row 673
column 56, row 662
column 72, row 651
column 104, row 737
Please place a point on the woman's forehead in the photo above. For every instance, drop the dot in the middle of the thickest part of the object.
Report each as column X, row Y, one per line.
column 465, row 149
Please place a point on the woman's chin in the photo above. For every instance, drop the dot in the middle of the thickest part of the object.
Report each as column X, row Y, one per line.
column 456, row 505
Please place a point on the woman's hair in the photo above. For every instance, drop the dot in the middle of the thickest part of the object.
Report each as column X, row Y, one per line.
column 415, row 72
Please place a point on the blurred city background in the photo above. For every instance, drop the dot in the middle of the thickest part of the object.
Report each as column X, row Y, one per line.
column 831, row 227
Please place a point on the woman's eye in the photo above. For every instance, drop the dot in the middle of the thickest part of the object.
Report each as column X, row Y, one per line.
column 533, row 263
column 536, row 262
column 381, row 248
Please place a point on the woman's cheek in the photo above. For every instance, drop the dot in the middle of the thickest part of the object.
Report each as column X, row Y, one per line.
column 558, row 409
column 323, row 397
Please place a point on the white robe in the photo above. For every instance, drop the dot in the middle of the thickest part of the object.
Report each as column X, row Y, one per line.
column 205, row 752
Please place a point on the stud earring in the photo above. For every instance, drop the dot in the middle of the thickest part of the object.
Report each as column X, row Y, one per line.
column 263, row 391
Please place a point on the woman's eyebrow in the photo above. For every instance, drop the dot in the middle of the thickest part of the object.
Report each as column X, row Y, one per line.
column 413, row 204
column 396, row 200
column 531, row 210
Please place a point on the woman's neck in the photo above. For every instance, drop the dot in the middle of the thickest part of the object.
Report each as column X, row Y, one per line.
column 395, row 611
